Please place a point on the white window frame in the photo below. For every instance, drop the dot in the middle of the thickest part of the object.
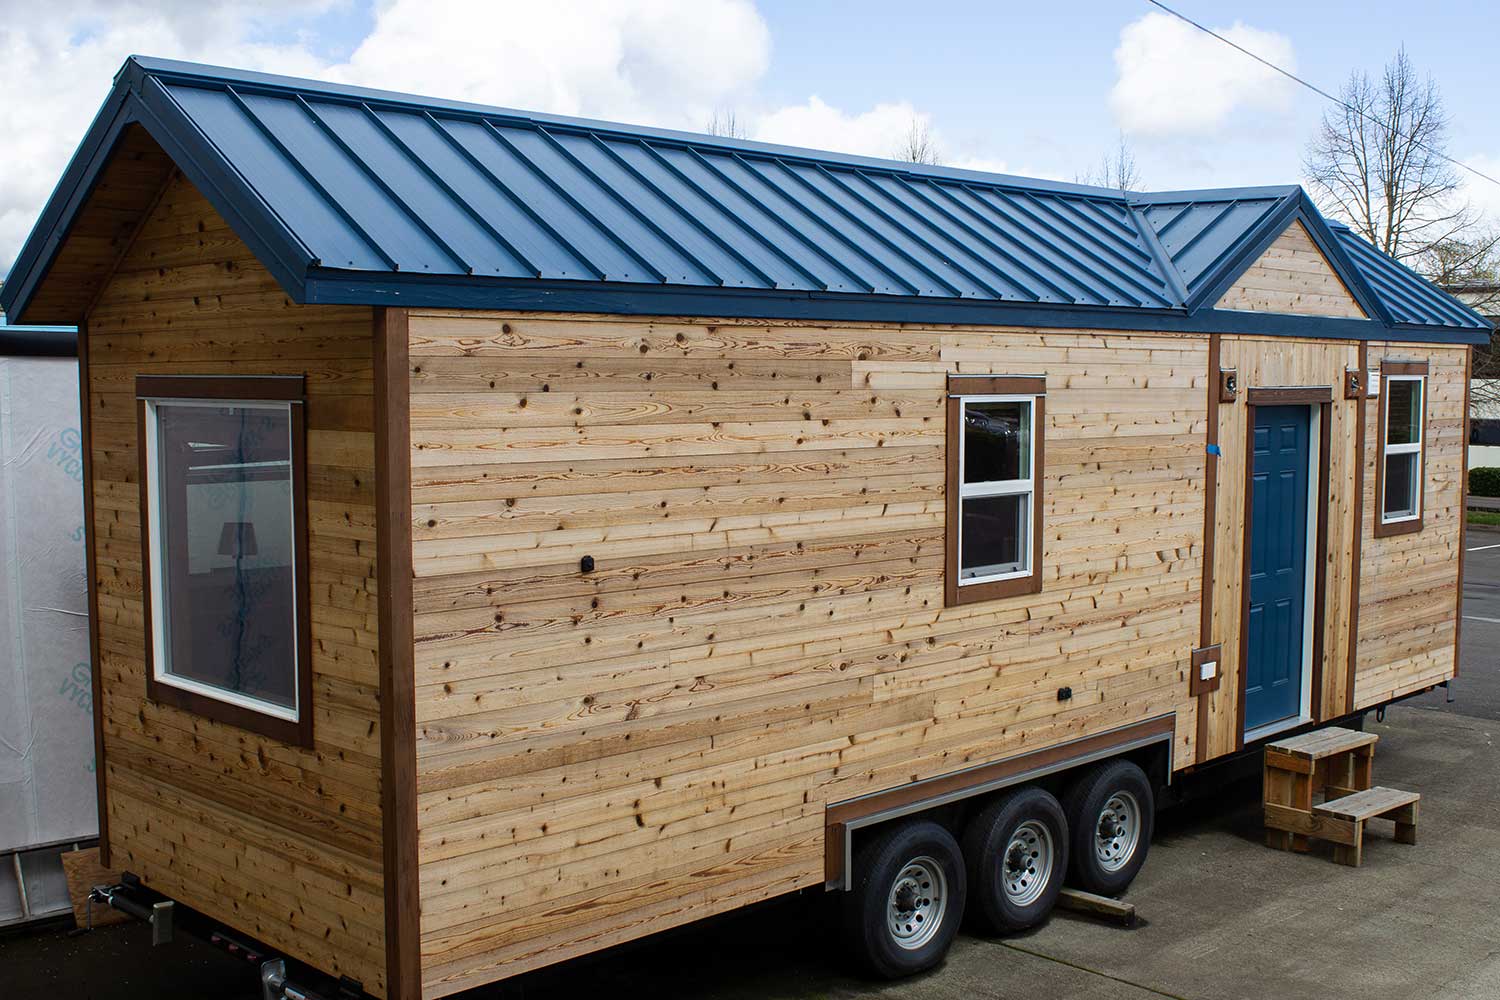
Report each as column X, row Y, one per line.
column 998, row 488
column 1403, row 449
column 160, row 617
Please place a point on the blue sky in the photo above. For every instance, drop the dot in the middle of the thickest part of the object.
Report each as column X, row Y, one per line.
column 1033, row 88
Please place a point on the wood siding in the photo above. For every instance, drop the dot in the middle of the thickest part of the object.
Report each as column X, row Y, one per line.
column 1409, row 583
column 280, row 842
column 1292, row 276
column 606, row 754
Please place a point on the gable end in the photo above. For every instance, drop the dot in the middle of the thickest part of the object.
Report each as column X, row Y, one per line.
column 1292, row 277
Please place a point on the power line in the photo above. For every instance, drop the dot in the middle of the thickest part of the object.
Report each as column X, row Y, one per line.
column 1322, row 93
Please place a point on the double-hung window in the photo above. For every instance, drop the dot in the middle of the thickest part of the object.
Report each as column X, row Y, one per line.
column 224, row 549
column 995, row 451
column 1399, row 476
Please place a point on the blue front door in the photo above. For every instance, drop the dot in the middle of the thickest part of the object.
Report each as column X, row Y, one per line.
column 1278, row 564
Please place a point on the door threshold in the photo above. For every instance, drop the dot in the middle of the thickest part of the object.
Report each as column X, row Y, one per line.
column 1279, row 726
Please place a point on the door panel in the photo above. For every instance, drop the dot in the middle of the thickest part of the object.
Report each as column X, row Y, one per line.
column 1278, row 564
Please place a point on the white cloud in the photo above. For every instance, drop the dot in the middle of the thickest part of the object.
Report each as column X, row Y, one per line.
column 1174, row 80
column 665, row 62
column 817, row 124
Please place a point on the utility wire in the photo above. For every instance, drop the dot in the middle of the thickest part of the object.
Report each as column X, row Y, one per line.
column 1321, row 92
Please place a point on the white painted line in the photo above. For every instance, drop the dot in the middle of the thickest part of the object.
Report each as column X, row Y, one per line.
column 1481, row 548
column 1476, row 618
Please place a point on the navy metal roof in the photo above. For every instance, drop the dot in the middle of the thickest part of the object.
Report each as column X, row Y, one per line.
column 360, row 196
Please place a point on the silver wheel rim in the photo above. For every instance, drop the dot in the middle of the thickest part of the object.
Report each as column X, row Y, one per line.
column 917, row 902
column 1026, row 866
column 1118, row 832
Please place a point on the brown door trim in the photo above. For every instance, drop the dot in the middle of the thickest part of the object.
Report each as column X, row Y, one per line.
column 1289, row 395
column 1210, row 532
column 398, row 741
column 1360, row 430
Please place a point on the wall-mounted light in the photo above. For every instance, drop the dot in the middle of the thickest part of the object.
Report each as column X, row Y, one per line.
column 1229, row 384
column 1354, row 383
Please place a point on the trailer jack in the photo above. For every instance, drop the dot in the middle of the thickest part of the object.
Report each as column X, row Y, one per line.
column 158, row 914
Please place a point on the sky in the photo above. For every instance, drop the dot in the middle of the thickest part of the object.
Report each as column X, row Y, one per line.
column 1035, row 89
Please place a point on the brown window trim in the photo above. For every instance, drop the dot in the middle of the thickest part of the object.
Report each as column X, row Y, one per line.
column 1383, row 529
column 960, row 386
column 287, row 388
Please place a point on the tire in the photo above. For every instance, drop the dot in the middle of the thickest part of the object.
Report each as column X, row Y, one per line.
column 1112, row 810
column 1016, row 852
column 907, row 900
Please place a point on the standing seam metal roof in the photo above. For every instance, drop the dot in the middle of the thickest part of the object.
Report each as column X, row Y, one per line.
column 360, row 184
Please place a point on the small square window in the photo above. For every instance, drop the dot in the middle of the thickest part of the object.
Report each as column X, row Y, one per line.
column 223, row 492
column 994, row 486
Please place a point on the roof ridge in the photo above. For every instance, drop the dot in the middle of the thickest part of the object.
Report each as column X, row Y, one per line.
column 184, row 71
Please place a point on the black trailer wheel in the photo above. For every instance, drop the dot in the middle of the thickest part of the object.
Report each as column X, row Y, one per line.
column 907, row 899
column 1111, row 809
column 1016, row 851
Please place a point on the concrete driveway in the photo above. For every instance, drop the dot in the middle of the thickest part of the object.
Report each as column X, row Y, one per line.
column 1223, row 916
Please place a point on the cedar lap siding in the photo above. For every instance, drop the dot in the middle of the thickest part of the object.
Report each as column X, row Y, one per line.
column 624, row 571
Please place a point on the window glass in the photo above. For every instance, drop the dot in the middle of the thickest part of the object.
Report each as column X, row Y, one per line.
column 1403, row 414
column 994, row 535
column 997, row 441
column 224, row 537
column 1401, row 472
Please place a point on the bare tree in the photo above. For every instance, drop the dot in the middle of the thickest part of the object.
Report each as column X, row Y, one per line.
column 727, row 124
column 917, row 146
column 1116, row 169
column 1377, row 162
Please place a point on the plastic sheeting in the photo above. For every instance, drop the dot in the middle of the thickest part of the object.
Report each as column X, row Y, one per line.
column 46, row 721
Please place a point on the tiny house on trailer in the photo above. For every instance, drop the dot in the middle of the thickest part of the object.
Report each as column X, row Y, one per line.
column 512, row 535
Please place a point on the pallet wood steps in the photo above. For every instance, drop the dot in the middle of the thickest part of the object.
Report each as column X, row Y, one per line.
column 1338, row 764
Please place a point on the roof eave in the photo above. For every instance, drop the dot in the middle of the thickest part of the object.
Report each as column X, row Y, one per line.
column 331, row 286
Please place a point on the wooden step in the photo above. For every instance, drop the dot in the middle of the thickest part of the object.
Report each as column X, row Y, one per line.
column 1354, row 810
column 1321, row 743
column 1368, row 804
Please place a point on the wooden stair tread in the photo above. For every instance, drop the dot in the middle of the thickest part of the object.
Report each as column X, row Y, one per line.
column 1368, row 804
column 1322, row 743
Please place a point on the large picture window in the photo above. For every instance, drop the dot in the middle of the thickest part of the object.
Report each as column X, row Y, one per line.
column 223, row 490
column 1402, row 460
column 995, row 438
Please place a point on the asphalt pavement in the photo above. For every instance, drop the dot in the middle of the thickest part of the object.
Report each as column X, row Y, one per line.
column 1476, row 692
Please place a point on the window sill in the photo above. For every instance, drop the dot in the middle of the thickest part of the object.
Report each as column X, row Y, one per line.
column 994, row 590
column 1389, row 529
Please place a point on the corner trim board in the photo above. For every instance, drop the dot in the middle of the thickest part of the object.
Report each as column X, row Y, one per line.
column 398, row 743
column 1463, row 509
column 91, row 574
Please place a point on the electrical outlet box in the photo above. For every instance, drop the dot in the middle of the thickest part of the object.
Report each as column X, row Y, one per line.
column 1372, row 382
column 1204, row 676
